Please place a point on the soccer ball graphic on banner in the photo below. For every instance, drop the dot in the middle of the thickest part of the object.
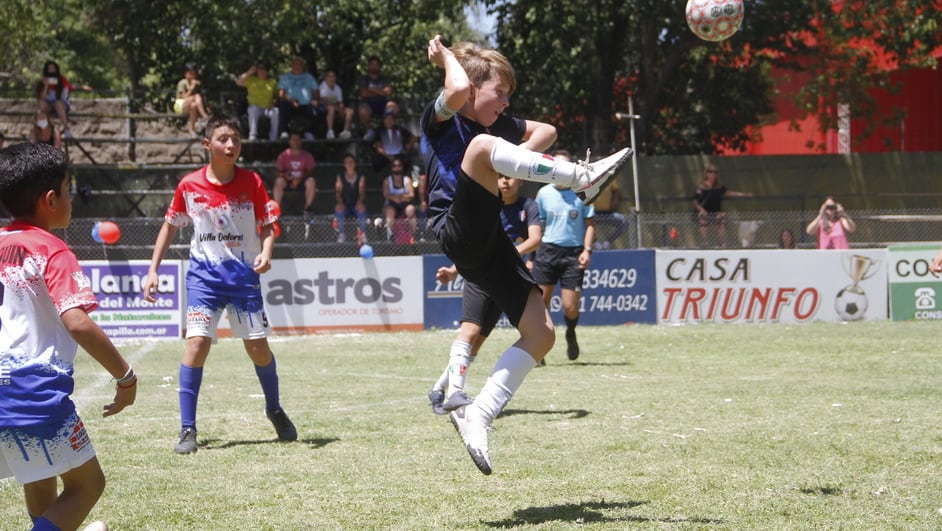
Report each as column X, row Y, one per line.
column 851, row 303
column 714, row 20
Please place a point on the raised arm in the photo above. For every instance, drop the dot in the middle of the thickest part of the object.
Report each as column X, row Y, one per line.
column 457, row 84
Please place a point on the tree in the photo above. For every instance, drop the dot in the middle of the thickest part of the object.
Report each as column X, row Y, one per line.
column 578, row 61
column 225, row 36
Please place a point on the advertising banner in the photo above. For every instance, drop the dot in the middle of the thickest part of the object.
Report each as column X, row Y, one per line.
column 914, row 292
column 618, row 288
column 310, row 295
column 771, row 286
column 122, row 311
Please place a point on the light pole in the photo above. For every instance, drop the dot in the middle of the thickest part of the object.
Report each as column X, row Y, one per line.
column 634, row 160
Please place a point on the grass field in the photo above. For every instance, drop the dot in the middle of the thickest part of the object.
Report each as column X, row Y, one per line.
column 820, row 426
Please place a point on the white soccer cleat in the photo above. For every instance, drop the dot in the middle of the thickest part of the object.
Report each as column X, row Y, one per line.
column 473, row 429
column 592, row 178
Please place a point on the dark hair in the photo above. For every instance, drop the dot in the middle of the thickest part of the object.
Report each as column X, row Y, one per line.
column 349, row 156
column 2, row 136
column 191, row 66
column 781, row 239
column 375, row 58
column 58, row 75
column 27, row 171
column 221, row 120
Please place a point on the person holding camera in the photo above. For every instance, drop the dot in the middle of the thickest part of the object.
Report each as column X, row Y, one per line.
column 832, row 225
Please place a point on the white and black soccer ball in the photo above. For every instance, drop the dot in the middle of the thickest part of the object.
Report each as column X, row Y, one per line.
column 851, row 303
column 714, row 20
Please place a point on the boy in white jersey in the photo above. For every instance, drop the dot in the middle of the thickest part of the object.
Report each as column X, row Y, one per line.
column 44, row 303
column 226, row 204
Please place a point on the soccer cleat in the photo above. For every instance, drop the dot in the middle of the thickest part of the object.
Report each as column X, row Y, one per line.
column 97, row 525
column 187, row 443
column 456, row 400
column 436, row 397
column 283, row 425
column 572, row 346
column 473, row 431
column 592, row 178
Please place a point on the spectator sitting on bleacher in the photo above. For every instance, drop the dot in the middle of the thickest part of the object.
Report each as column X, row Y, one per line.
column 350, row 188
column 294, row 167
column 262, row 96
column 375, row 91
column 53, row 94
column 42, row 131
column 398, row 193
column 298, row 99
column 332, row 103
column 392, row 141
column 190, row 98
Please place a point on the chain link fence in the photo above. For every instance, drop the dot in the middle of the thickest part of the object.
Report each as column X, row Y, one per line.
column 317, row 236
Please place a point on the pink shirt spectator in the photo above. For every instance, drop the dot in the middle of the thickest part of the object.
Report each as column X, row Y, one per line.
column 835, row 238
column 295, row 165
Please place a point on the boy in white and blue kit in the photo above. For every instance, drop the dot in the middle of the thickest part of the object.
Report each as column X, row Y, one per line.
column 226, row 204
column 44, row 303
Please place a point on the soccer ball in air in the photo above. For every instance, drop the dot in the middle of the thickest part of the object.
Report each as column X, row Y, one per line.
column 714, row 20
column 851, row 303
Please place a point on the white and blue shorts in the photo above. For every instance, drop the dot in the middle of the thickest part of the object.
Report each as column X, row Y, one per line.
column 39, row 452
column 247, row 317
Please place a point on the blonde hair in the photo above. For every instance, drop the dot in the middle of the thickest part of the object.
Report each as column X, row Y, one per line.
column 483, row 63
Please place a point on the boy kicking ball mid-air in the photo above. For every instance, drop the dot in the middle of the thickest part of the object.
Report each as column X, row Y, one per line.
column 226, row 204
column 467, row 141
column 44, row 303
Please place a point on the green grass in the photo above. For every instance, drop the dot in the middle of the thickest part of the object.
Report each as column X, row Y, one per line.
column 821, row 426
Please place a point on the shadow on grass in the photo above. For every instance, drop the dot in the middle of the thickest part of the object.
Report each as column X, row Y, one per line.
column 214, row 444
column 587, row 512
column 571, row 413
column 824, row 490
column 567, row 363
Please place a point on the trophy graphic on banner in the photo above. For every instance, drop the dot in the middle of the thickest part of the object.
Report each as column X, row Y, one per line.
column 851, row 300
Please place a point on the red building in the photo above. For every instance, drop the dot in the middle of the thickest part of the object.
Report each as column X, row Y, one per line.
column 907, row 120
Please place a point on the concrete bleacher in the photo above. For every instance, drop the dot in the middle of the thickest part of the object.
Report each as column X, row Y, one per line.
column 127, row 163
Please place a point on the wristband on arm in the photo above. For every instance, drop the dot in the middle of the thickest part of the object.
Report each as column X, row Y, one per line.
column 441, row 108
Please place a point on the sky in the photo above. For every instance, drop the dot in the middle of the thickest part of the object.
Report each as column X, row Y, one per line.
column 479, row 19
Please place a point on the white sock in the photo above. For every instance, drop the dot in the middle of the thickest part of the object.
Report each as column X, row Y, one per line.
column 520, row 163
column 442, row 381
column 512, row 367
column 458, row 363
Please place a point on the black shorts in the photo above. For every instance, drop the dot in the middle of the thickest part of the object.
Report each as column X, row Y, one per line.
column 558, row 264
column 479, row 308
column 473, row 238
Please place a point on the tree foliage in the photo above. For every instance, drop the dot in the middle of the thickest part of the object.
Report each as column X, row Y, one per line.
column 577, row 61
column 692, row 95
